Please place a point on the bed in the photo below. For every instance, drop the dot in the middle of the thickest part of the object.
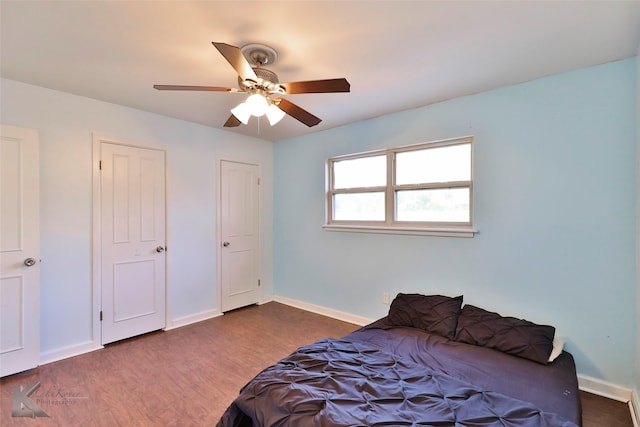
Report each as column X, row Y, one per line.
column 430, row 362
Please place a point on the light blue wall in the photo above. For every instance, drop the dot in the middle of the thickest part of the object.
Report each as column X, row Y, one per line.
column 555, row 192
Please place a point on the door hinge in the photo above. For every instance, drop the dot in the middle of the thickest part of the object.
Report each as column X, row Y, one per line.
column 258, row 181
column 259, row 284
column 100, row 165
column 101, row 315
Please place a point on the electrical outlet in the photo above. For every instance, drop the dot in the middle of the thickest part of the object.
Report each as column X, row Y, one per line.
column 385, row 298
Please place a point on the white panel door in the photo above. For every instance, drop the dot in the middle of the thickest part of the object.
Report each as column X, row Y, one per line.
column 19, row 250
column 132, row 182
column 239, row 227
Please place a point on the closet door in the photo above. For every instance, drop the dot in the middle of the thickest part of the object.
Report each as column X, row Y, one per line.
column 133, row 241
column 240, row 234
column 19, row 250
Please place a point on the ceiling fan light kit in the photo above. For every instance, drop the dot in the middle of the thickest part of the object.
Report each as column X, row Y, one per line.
column 257, row 104
column 242, row 113
column 274, row 114
column 263, row 87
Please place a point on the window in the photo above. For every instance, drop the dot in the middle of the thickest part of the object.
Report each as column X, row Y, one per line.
column 419, row 189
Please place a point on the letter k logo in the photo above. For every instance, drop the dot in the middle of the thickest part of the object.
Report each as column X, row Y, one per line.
column 22, row 405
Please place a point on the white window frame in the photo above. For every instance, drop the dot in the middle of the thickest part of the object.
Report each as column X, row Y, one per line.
column 390, row 225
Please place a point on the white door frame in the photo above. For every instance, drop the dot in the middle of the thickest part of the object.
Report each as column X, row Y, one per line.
column 218, row 169
column 96, row 335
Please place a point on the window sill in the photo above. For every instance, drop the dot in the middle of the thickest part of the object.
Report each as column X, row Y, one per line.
column 439, row 231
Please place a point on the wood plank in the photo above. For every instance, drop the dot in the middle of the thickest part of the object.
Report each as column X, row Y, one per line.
column 598, row 411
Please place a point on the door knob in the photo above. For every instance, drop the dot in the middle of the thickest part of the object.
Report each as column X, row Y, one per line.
column 160, row 249
column 29, row 262
column 225, row 244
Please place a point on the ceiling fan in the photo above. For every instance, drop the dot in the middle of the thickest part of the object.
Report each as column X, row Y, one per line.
column 264, row 89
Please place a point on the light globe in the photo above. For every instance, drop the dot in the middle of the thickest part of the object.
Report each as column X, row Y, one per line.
column 257, row 104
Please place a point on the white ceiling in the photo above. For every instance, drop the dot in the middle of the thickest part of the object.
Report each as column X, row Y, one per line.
column 397, row 55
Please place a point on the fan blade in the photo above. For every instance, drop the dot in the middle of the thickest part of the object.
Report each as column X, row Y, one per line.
column 204, row 88
column 237, row 60
column 317, row 86
column 232, row 122
column 296, row 112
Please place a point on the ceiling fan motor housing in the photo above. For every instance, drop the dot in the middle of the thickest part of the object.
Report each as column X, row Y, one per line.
column 267, row 82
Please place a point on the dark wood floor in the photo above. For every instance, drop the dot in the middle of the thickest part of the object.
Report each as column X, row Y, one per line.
column 188, row 376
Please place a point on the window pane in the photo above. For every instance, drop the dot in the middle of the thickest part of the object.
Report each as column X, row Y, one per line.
column 439, row 205
column 358, row 207
column 363, row 172
column 441, row 164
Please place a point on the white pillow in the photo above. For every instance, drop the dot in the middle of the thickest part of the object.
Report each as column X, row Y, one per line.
column 558, row 344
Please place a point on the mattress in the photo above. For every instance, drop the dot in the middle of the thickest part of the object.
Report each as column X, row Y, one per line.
column 389, row 375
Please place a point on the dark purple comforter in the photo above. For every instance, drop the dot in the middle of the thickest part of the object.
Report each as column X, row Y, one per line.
column 404, row 377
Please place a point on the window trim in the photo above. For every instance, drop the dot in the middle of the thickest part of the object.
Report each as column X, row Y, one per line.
column 389, row 225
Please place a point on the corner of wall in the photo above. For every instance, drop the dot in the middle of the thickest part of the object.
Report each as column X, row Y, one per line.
column 636, row 391
column 634, row 407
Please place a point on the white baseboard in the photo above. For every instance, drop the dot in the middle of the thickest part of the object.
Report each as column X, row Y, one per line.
column 325, row 311
column 613, row 391
column 266, row 299
column 192, row 318
column 604, row 388
column 89, row 346
column 69, row 351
